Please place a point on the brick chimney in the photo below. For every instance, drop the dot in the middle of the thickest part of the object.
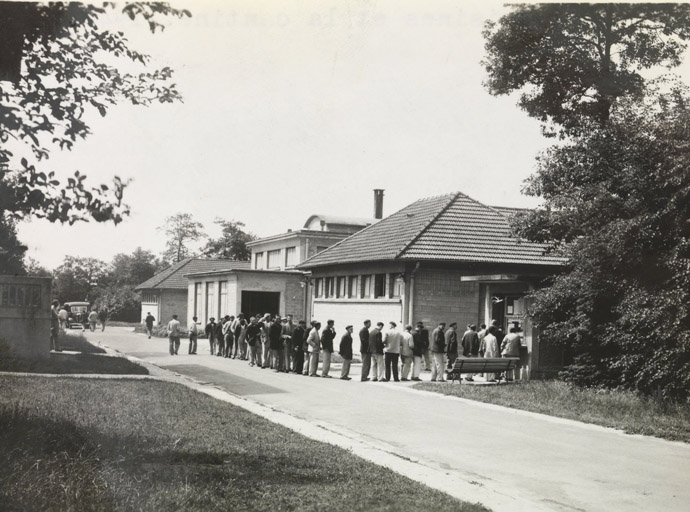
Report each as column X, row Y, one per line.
column 378, row 203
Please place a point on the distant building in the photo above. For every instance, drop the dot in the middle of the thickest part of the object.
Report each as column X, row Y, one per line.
column 447, row 258
column 165, row 293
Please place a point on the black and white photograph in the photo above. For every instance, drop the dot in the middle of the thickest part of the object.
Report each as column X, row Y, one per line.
column 344, row 255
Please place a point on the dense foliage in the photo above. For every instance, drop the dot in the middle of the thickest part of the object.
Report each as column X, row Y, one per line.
column 571, row 61
column 616, row 191
column 232, row 243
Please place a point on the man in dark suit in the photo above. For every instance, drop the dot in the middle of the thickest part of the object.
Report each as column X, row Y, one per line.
column 364, row 350
column 346, row 352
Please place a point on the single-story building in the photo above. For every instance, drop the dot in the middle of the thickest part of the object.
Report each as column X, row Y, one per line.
column 240, row 290
column 165, row 294
column 441, row 259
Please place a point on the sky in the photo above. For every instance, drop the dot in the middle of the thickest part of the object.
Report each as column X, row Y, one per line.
column 294, row 108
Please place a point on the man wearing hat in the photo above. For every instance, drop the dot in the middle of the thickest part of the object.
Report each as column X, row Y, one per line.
column 452, row 344
column 346, row 352
column 438, row 349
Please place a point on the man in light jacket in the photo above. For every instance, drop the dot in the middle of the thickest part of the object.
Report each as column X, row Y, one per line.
column 314, row 344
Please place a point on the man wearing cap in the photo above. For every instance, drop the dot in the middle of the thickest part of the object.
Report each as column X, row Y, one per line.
column 346, row 352
column 327, row 337
column 438, row 349
column 210, row 331
column 452, row 344
column 392, row 351
column 364, row 350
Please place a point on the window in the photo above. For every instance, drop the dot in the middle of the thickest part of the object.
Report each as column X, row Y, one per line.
column 318, row 287
column 396, row 285
column 223, row 299
column 342, row 287
column 352, row 287
column 258, row 261
column 290, row 256
column 273, row 259
column 330, row 287
column 366, row 286
column 150, row 298
column 197, row 300
column 21, row 296
column 210, row 293
column 379, row 285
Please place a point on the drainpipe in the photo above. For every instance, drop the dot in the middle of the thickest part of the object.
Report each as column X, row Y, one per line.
column 410, row 312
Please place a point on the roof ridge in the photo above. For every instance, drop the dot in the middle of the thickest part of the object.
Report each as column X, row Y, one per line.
column 428, row 224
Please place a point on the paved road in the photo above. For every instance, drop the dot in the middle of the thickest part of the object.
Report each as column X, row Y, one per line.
column 549, row 463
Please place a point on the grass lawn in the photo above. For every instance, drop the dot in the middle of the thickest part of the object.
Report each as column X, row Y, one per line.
column 150, row 445
column 610, row 408
column 89, row 360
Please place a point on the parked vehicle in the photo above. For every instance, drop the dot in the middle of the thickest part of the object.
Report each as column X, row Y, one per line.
column 77, row 314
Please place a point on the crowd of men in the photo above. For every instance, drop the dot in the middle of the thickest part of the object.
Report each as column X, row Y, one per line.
column 276, row 342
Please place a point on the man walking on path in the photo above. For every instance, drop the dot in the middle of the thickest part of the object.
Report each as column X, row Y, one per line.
column 327, row 337
column 93, row 320
column 149, row 323
column 174, row 335
column 210, row 331
column 364, row 350
column 103, row 318
column 438, row 348
column 376, row 351
column 346, row 352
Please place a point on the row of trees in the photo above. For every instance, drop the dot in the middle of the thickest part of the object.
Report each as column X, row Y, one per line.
column 615, row 190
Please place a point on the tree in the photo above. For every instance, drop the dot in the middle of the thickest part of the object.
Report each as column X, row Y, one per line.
column 232, row 243
column 35, row 269
column 133, row 269
column 77, row 278
column 618, row 199
column 573, row 61
column 181, row 229
column 56, row 66
column 11, row 250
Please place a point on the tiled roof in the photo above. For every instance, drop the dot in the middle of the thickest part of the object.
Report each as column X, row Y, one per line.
column 173, row 277
column 451, row 227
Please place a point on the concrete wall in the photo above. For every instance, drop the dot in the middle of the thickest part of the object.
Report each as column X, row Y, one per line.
column 289, row 286
column 25, row 315
column 346, row 312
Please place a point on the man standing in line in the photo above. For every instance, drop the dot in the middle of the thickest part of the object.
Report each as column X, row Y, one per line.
column 149, row 323
column 305, row 347
column 452, row 344
column 275, row 341
column 426, row 346
column 406, row 346
column 288, row 354
column 470, row 346
column 174, row 335
column 228, row 335
column 193, row 336
column 210, row 331
column 364, row 350
column 254, row 342
column 327, row 337
column 54, row 327
column 510, row 347
column 314, row 342
column 346, row 352
column 265, row 324
column 392, row 352
column 438, row 349
column 298, row 337
column 220, row 337
column 417, row 352
column 376, row 351
column 103, row 318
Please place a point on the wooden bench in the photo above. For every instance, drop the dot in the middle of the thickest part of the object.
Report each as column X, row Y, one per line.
column 481, row 365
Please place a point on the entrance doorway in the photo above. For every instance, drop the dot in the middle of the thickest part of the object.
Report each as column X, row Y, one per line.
column 259, row 303
column 508, row 310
